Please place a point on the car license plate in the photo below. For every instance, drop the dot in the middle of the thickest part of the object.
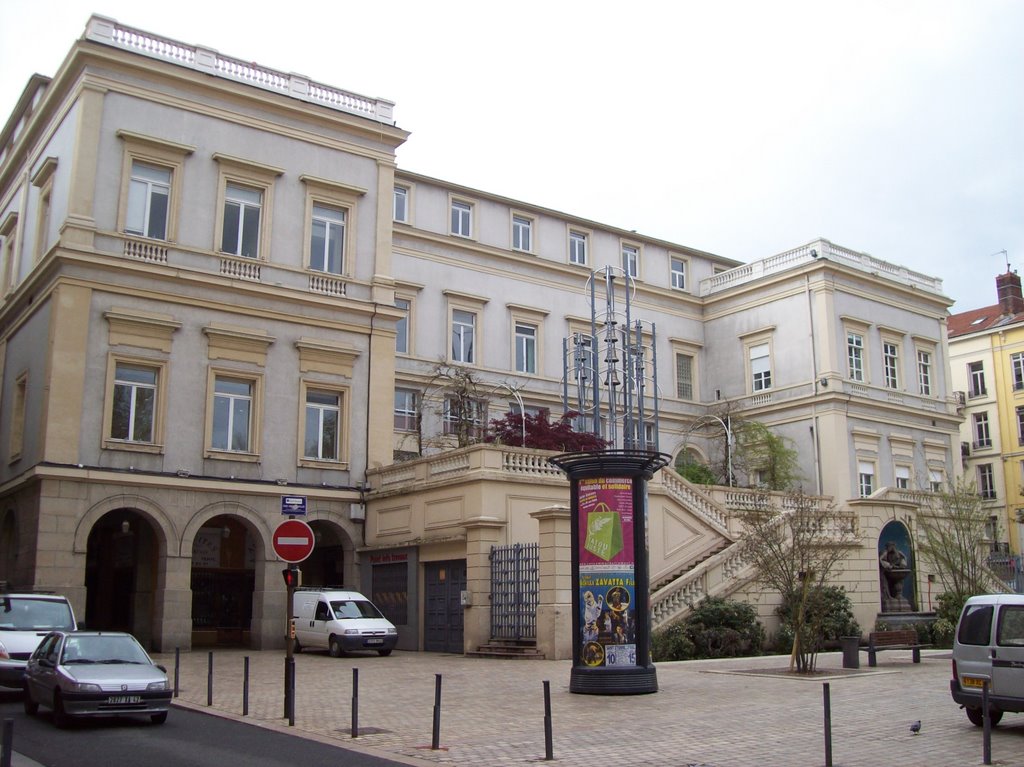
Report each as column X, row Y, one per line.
column 116, row 700
column 374, row 641
column 972, row 681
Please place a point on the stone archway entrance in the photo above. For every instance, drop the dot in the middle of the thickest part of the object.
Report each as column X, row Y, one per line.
column 122, row 557
column 329, row 564
column 223, row 582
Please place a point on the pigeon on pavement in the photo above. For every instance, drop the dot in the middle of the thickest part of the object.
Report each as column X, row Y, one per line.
column 916, row 727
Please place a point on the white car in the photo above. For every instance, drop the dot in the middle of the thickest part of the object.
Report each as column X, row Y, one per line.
column 24, row 620
column 989, row 647
column 95, row 673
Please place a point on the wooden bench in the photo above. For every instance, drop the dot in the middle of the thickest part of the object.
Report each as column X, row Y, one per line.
column 900, row 639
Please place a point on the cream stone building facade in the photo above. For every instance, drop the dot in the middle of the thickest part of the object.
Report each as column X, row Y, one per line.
column 220, row 290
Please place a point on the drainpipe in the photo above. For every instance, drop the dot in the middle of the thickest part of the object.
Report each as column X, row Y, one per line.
column 814, row 382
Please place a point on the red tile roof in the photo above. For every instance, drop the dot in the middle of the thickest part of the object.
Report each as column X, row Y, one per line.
column 978, row 320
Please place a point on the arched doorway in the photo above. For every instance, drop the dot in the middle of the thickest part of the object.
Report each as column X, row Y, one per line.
column 223, row 581
column 326, row 566
column 120, row 574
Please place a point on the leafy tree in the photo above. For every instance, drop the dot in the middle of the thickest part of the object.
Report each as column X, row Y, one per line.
column 543, row 434
column 953, row 528
column 759, row 449
column 694, row 471
column 795, row 552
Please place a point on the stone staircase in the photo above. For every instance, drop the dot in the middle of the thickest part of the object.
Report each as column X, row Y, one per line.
column 510, row 649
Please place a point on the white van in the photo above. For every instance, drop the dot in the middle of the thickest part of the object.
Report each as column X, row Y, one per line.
column 989, row 644
column 24, row 620
column 339, row 621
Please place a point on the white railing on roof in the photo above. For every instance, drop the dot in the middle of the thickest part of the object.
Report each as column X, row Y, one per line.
column 109, row 32
column 811, row 252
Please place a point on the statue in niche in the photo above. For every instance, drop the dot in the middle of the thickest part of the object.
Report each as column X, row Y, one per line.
column 894, row 570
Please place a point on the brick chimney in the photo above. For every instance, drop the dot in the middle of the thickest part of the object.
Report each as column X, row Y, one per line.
column 1008, row 288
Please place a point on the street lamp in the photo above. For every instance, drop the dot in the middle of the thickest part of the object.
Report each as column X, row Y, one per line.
column 729, row 441
column 522, row 408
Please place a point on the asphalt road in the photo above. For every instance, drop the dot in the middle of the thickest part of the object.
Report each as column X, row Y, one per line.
column 188, row 739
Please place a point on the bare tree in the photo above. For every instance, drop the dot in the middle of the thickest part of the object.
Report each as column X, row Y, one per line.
column 953, row 535
column 796, row 550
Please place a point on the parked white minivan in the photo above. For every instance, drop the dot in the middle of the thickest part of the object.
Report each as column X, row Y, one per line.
column 989, row 644
column 340, row 621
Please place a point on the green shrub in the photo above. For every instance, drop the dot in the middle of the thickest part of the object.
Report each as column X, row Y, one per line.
column 697, row 473
column 715, row 628
column 672, row 643
column 828, row 615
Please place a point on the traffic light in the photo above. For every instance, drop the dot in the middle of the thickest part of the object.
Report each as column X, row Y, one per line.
column 292, row 577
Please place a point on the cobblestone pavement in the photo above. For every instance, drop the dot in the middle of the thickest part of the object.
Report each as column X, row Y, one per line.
column 745, row 712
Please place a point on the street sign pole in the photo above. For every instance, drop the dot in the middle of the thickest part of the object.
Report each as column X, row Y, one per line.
column 291, row 578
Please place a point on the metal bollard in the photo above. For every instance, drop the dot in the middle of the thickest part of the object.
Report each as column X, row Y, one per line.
column 291, row 692
column 435, row 742
column 8, row 745
column 209, row 681
column 245, row 688
column 177, row 666
column 549, row 748
column 355, row 703
column 986, row 749
column 828, row 724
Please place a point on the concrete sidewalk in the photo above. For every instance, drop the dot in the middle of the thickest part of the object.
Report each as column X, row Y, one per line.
column 744, row 712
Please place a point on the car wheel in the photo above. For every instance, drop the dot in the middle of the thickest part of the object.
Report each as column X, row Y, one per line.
column 978, row 719
column 334, row 648
column 158, row 718
column 31, row 707
column 60, row 716
column 384, row 653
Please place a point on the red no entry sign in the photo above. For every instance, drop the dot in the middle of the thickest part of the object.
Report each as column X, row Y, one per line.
column 293, row 540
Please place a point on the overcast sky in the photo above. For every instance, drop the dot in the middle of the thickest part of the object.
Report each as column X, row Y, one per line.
column 740, row 128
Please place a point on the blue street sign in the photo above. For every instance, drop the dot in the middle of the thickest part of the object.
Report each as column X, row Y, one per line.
column 294, row 505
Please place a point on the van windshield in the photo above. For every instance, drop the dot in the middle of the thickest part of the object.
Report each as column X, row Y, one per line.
column 20, row 613
column 354, row 608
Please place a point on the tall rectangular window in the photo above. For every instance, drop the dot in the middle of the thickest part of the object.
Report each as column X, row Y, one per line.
column 18, row 415
column 134, row 407
column 903, row 477
column 232, row 414
column 526, row 348
column 402, row 327
column 323, row 425
column 924, row 372
column 241, row 233
column 1020, row 426
column 149, row 195
column 406, row 409
column 1017, row 364
column 464, row 417
column 986, row 482
column 891, row 364
column 401, row 205
column 462, row 219
column 935, row 480
column 866, row 478
column 684, row 376
column 760, row 367
column 463, row 332
column 678, row 268
column 982, row 435
column 631, row 260
column 976, row 374
column 327, row 240
column 855, row 355
column 522, row 231
column 578, row 248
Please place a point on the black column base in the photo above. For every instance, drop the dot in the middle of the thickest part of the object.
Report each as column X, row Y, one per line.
column 634, row 680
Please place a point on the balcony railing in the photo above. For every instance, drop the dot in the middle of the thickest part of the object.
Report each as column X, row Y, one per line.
column 811, row 253
column 110, row 32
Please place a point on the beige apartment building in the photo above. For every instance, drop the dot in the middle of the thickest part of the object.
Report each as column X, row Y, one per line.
column 220, row 291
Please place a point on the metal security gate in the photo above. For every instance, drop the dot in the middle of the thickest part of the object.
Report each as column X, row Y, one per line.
column 515, row 583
